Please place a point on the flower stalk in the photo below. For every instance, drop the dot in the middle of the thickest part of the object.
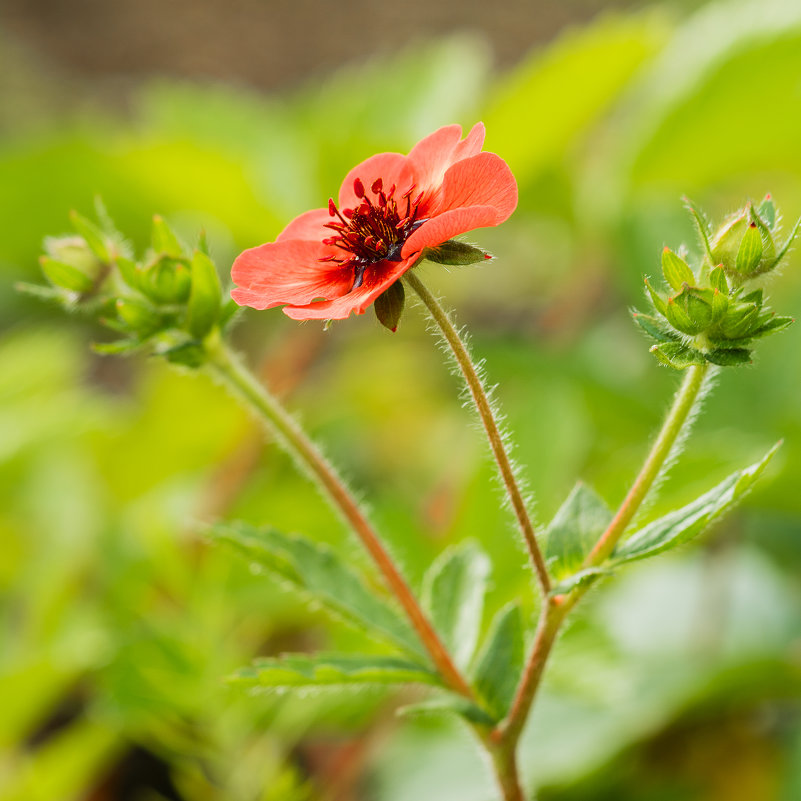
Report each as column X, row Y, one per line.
column 225, row 366
column 484, row 408
column 556, row 608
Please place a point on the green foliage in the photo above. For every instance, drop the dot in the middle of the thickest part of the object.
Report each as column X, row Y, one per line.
column 682, row 525
column 500, row 660
column 453, row 595
column 294, row 671
column 575, row 528
column 323, row 576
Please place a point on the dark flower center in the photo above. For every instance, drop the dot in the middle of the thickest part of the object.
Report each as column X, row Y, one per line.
column 375, row 230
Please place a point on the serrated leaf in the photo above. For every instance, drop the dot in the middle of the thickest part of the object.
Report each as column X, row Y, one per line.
column 294, row 671
column 389, row 305
column 163, row 239
column 676, row 271
column 205, row 296
column 728, row 357
column 94, row 237
column 676, row 355
column 453, row 595
column 574, row 530
column 750, row 250
column 683, row 524
column 65, row 275
column 500, row 661
column 654, row 327
column 448, row 705
column 322, row 575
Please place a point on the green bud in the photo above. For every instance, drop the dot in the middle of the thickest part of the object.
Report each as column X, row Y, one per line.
column 691, row 311
column 456, row 253
column 749, row 254
column 163, row 239
column 726, row 242
column 93, row 236
column 138, row 316
column 389, row 306
column 66, row 276
column 205, row 296
column 676, row 271
column 167, row 280
column 717, row 280
column 740, row 321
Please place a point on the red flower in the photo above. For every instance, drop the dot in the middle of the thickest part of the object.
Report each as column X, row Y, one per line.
column 330, row 262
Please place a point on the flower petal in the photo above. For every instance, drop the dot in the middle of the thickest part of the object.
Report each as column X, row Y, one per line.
column 391, row 168
column 431, row 157
column 445, row 226
column 377, row 279
column 481, row 180
column 287, row 272
column 308, row 225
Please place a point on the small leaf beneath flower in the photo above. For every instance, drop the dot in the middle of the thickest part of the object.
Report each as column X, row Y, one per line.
column 448, row 704
column 654, row 327
column 500, row 661
column 657, row 300
column 456, row 253
column 293, row 671
column 65, row 275
column 319, row 573
column 575, row 528
column 786, row 245
column 453, row 595
column 682, row 525
column 204, row 297
column 729, row 357
column 702, row 225
column 772, row 326
column 676, row 271
column 676, row 355
column 389, row 306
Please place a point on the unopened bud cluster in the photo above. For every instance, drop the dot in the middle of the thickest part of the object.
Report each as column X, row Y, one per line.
column 169, row 302
column 710, row 315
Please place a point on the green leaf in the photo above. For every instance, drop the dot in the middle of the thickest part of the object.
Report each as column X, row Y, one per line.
column 93, row 236
column 389, row 306
column 786, row 246
column 579, row 579
column 729, row 357
column 772, row 326
column 46, row 293
column 456, row 254
column 656, row 299
column 750, row 251
column 448, row 704
column 676, row 355
column 322, row 575
column 575, row 528
column 163, row 238
column 683, row 524
column 117, row 348
column 654, row 327
column 500, row 661
column 204, row 297
column 303, row 670
column 676, row 271
column 65, row 275
column 189, row 354
column 453, row 595
column 702, row 226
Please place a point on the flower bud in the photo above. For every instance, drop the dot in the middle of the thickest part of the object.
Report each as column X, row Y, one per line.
column 69, row 263
column 166, row 280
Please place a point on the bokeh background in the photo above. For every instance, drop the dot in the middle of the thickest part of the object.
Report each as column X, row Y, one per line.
column 678, row 681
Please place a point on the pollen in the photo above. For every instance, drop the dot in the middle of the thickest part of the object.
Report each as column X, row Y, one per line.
column 375, row 230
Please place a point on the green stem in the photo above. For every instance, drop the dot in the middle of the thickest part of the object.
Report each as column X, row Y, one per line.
column 556, row 609
column 484, row 408
column 230, row 370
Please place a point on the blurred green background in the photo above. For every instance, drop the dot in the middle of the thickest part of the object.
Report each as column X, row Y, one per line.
column 679, row 680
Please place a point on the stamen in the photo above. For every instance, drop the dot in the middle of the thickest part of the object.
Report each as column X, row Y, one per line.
column 358, row 187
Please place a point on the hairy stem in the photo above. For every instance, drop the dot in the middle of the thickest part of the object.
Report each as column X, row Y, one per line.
column 556, row 609
column 484, row 408
column 229, row 369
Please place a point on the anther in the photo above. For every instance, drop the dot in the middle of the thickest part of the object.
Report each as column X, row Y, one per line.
column 358, row 187
column 377, row 186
